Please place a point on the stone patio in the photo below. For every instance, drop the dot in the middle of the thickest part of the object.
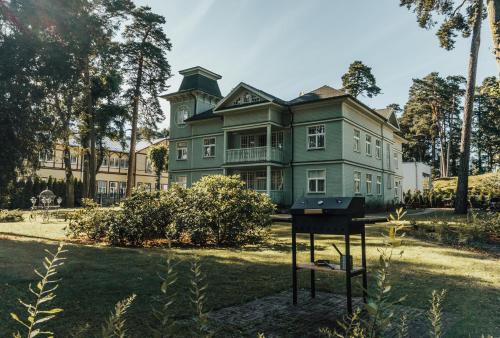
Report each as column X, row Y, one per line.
column 275, row 316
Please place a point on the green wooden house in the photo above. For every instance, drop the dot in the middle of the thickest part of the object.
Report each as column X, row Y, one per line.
column 322, row 143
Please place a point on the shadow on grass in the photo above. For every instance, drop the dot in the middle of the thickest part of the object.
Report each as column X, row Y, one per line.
column 95, row 278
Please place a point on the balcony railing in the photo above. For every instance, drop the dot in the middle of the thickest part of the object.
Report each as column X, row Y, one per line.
column 255, row 154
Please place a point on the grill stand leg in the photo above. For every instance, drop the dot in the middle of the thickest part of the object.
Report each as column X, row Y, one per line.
column 348, row 274
column 313, row 281
column 363, row 263
column 294, row 265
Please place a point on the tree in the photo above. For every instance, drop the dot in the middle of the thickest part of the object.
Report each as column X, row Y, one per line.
column 486, row 134
column 464, row 17
column 431, row 119
column 493, row 7
column 147, row 70
column 158, row 155
column 359, row 80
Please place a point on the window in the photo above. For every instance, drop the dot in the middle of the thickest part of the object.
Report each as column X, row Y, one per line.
column 124, row 163
column 182, row 150
column 113, row 187
column 182, row 115
column 357, row 182
column 368, row 184
column 247, row 141
column 356, row 140
column 316, row 137
column 316, row 181
column 123, row 188
column 73, row 158
column 114, row 162
column 378, row 148
column 181, row 181
column 277, row 180
column 104, row 161
column 164, row 187
column 209, row 147
column 277, row 139
column 102, row 187
column 148, row 167
column 396, row 164
column 388, row 155
column 368, row 145
column 396, row 190
column 379, row 185
column 147, row 187
column 46, row 156
column 389, row 180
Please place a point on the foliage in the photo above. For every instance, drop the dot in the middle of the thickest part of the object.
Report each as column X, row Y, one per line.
column 162, row 312
column 11, row 216
column 435, row 313
column 223, row 212
column 38, row 312
column 115, row 325
column 359, row 80
column 216, row 210
column 158, row 155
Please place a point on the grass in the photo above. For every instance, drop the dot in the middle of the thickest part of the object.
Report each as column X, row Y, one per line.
column 95, row 278
column 486, row 182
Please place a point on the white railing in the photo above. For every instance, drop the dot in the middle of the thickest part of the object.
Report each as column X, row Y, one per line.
column 255, row 154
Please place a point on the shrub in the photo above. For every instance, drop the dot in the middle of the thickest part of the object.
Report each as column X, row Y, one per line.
column 90, row 221
column 222, row 211
column 11, row 216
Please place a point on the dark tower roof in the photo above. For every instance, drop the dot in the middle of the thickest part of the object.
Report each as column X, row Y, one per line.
column 199, row 78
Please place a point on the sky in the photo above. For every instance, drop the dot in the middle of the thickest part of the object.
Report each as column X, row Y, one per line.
column 285, row 47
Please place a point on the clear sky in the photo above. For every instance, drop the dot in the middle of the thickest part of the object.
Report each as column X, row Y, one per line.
column 287, row 46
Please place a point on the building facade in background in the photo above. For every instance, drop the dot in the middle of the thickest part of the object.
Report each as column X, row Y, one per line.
column 322, row 143
column 111, row 178
column 417, row 176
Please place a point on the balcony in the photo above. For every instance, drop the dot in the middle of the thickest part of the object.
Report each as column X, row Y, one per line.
column 254, row 154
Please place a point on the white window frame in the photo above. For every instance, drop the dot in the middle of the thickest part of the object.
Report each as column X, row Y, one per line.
column 122, row 188
column 379, row 185
column 182, row 178
column 369, row 184
column 368, row 145
column 396, row 160
column 277, row 139
column 148, row 166
column 208, row 149
column 316, row 179
column 181, row 115
column 388, row 155
column 105, row 161
column 102, row 187
column 357, row 182
column 114, row 162
column 378, row 148
column 124, row 162
column 316, row 136
column 247, row 141
column 181, row 151
column 73, row 158
column 357, row 137
column 113, row 187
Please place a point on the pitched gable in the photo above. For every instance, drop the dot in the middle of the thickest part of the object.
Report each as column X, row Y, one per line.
column 389, row 115
column 245, row 95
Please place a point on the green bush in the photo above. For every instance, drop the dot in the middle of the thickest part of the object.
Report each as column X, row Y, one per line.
column 216, row 210
column 222, row 211
column 7, row 216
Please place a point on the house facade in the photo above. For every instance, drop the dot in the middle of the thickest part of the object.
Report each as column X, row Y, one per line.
column 322, row 143
column 111, row 178
column 417, row 176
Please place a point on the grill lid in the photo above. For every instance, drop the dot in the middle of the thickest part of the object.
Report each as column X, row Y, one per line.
column 354, row 206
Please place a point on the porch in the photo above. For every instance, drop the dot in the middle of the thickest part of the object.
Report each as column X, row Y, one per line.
column 263, row 179
column 264, row 144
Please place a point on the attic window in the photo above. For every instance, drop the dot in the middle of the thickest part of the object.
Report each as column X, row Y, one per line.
column 246, row 97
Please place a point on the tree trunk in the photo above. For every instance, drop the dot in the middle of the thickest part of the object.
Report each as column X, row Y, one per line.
column 463, row 170
column 70, row 182
column 133, row 134
column 92, row 136
column 493, row 7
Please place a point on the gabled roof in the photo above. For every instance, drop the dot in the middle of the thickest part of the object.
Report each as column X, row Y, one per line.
column 208, row 114
column 389, row 115
column 320, row 93
column 118, row 146
column 261, row 93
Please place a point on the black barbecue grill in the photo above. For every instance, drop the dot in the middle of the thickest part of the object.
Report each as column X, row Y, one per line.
column 330, row 215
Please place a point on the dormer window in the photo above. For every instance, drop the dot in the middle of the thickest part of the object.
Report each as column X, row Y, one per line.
column 247, row 97
column 182, row 115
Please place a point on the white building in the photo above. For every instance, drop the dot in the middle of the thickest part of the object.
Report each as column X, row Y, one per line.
column 416, row 176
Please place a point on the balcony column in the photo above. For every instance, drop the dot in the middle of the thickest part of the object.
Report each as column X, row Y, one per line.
column 225, row 146
column 268, row 143
column 268, row 180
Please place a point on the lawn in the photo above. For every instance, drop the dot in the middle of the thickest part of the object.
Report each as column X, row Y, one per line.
column 96, row 277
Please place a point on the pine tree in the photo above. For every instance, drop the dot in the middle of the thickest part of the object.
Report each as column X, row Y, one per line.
column 359, row 80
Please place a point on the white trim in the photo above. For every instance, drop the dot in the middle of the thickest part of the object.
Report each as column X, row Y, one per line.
column 355, row 180
column 357, row 141
column 316, row 179
column 316, row 136
column 235, row 89
column 214, row 145
column 369, row 193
